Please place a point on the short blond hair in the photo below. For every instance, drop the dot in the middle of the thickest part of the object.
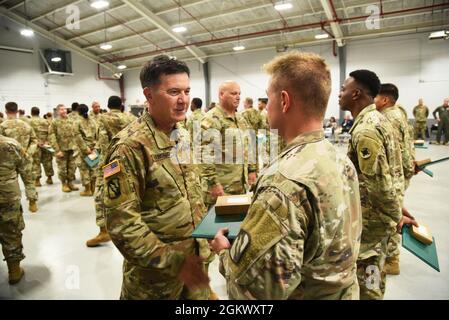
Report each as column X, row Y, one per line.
column 308, row 77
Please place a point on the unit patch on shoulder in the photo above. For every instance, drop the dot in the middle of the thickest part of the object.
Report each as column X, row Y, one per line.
column 113, row 189
column 240, row 244
column 111, row 168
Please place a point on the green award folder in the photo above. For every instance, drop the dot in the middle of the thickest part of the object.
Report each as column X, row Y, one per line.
column 210, row 224
column 422, row 146
column 92, row 162
column 427, row 253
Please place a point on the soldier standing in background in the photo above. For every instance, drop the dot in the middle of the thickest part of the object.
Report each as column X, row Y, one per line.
column 222, row 177
column 152, row 201
column 95, row 111
column 373, row 151
column 23, row 133
column 62, row 140
column 443, row 121
column 109, row 124
column 386, row 104
column 41, row 127
column 420, row 112
column 23, row 117
column 85, row 134
column 256, row 122
column 196, row 116
column 282, row 250
column 13, row 162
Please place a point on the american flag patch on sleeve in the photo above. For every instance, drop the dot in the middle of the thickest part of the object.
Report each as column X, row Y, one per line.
column 111, row 168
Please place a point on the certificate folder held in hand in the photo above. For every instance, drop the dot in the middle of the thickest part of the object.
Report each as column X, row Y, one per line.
column 92, row 159
column 212, row 222
column 427, row 253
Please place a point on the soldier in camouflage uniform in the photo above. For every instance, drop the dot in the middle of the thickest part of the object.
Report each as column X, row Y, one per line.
column 85, row 134
column 23, row 117
column 373, row 151
column 301, row 236
column 153, row 202
column 62, row 140
column 255, row 122
column 223, row 173
column 109, row 124
column 41, row 127
column 420, row 112
column 443, row 121
column 196, row 116
column 95, row 111
column 386, row 103
column 73, row 116
column 19, row 130
column 13, row 162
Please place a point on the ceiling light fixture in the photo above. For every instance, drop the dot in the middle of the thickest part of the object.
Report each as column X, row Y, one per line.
column 283, row 5
column 99, row 4
column 179, row 28
column 106, row 46
column 27, row 32
column 321, row 36
column 121, row 67
column 238, row 47
column 56, row 59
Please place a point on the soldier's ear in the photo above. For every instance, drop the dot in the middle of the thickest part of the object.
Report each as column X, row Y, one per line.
column 285, row 101
column 147, row 93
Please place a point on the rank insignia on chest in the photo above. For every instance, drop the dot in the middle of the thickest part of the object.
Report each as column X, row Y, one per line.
column 111, row 168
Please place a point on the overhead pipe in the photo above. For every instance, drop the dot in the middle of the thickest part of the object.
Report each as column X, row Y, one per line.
column 270, row 31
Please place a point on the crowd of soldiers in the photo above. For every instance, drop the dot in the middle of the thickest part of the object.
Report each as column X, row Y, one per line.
column 30, row 143
column 321, row 225
column 441, row 115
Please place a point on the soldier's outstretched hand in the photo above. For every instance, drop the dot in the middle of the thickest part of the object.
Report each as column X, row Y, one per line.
column 192, row 273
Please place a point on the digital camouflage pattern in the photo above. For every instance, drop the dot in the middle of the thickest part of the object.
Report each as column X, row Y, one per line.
column 22, row 132
column 62, row 139
column 224, row 167
column 301, row 236
column 13, row 163
column 42, row 128
column 254, row 119
column 194, row 119
column 398, row 120
column 420, row 113
column 109, row 124
column 85, row 134
column 152, row 205
column 373, row 151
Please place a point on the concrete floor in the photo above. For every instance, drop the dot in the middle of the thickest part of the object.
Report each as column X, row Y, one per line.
column 58, row 265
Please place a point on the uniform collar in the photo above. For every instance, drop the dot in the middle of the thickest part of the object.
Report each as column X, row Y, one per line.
column 162, row 140
column 304, row 138
column 224, row 113
column 361, row 115
column 115, row 111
